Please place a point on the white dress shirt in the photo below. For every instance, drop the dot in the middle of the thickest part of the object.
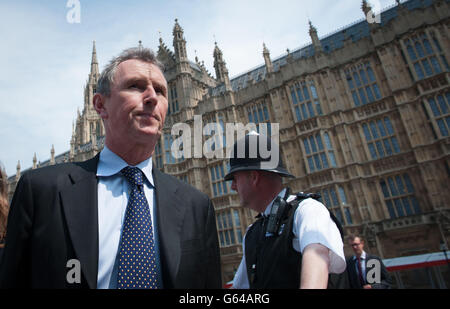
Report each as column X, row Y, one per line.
column 113, row 193
column 312, row 225
column 363, row 264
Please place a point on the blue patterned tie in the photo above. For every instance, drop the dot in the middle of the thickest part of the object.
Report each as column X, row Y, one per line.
column 137, row 258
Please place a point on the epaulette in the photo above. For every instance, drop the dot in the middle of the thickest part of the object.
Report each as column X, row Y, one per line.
column 303, row 196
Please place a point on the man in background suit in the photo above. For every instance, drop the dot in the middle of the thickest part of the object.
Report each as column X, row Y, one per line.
column 358, row 268
column 115, row 218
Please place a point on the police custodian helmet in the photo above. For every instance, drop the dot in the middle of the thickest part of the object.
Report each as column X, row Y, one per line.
column 252, row 159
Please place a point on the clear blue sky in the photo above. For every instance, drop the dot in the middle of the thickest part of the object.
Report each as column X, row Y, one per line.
column 45, row 60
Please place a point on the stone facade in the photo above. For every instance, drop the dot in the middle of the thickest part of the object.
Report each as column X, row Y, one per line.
column 364, row 118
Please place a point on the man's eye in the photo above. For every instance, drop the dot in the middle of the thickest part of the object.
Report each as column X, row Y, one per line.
column 160, row 90
column 136, row 85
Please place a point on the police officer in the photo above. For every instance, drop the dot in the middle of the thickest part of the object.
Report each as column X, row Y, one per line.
column 294, row 242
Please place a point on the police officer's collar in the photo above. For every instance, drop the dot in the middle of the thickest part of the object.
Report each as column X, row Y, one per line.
column 266, row 212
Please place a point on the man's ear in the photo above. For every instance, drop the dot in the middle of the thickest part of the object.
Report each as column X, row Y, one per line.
column 99, row 101
column 255, row 177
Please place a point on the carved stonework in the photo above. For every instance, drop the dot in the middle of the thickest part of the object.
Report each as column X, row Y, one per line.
column 370, row 234
column 443, row 219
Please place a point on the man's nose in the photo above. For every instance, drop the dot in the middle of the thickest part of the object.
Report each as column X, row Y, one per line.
column 150, row 96
column 233, row 185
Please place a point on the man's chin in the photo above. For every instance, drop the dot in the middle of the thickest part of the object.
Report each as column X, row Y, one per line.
column 146, row 136
column 150, row 131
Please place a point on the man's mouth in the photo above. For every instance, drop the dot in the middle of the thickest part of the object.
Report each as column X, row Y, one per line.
column 149, row 115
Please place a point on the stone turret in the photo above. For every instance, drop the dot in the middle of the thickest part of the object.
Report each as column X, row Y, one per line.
column 52, row 156
column 221, row 68
column 179, row 43
column 94, row 63
column 315, row 38
column 266, row 55
column 34, row 161
column 18, row 171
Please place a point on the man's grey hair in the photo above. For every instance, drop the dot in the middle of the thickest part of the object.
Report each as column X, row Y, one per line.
column 106, row 79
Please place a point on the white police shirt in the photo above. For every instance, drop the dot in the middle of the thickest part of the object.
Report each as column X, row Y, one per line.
column 312, row 225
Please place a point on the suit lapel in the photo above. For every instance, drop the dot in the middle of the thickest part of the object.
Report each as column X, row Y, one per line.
column 170, row 213
column 79, row 202
column 354, row 274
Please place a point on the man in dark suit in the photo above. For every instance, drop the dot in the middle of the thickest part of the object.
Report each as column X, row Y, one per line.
column 366, row 271
column 114, row 221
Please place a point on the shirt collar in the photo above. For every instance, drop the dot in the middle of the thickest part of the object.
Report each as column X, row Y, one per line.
column 362, row 257
column 111, row 164
column 269, row 207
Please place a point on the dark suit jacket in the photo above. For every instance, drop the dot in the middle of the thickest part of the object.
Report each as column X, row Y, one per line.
column 385, row 278
column 53, row 219
column 1, row 254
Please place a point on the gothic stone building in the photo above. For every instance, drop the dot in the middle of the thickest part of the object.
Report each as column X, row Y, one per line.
column 364, row 118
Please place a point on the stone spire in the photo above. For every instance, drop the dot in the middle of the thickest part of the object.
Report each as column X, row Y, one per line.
column 91, row 85
column 72, row 143
column 18, row 171
column 314, row 37
column 267, row 60
column 94, row 63
column 219, row 64
column 165, row 54
column 52, row 157
column 34, row 161
column 179, row 43
column 221, row 68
